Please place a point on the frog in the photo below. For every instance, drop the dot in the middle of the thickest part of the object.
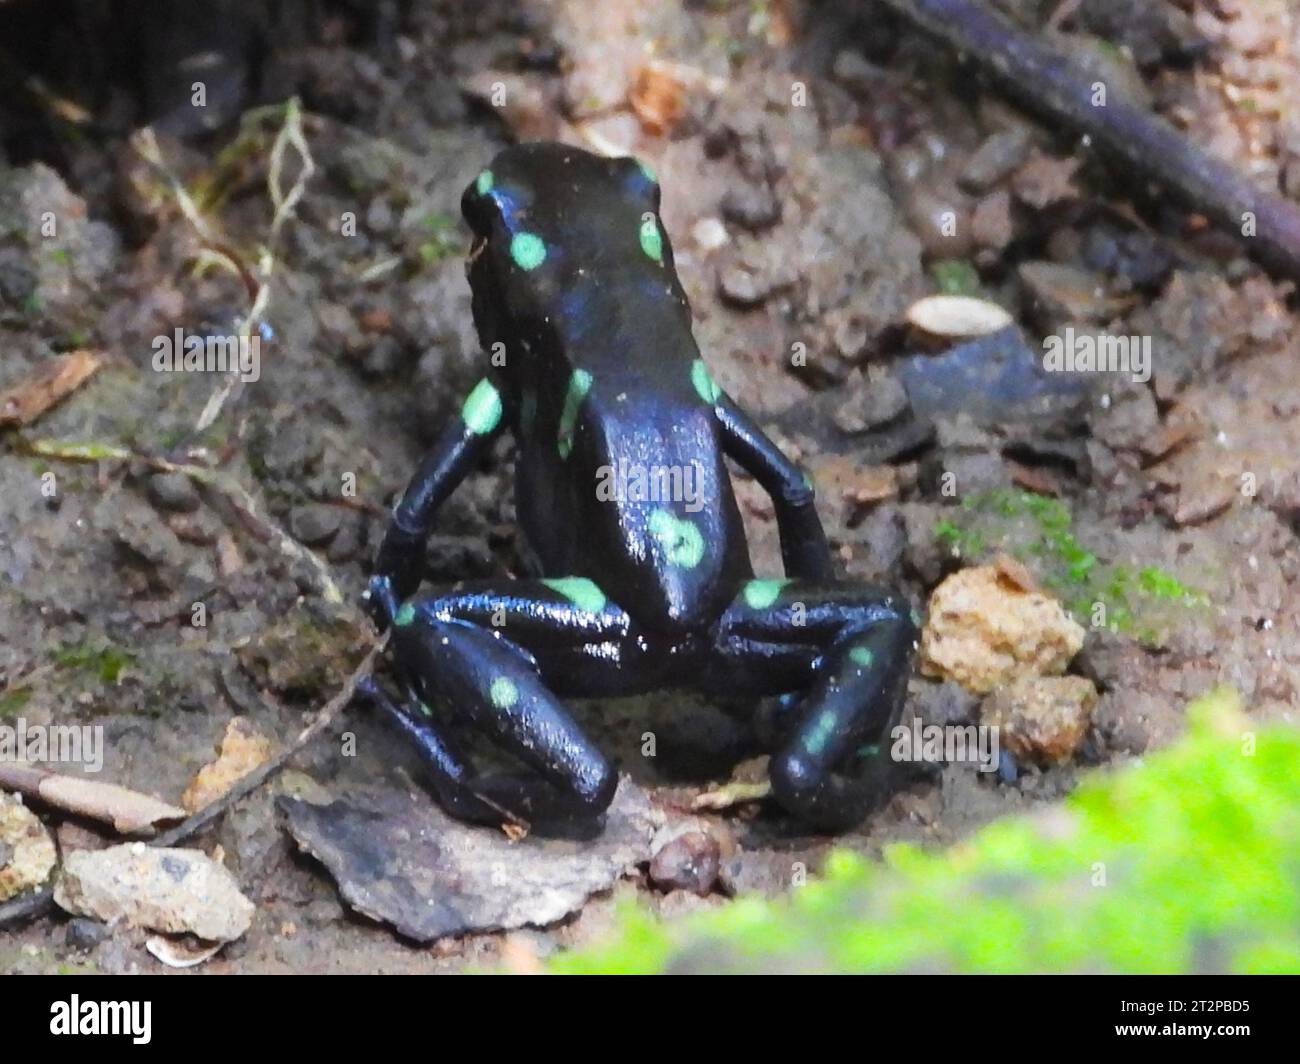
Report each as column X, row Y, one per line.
column 640, row 581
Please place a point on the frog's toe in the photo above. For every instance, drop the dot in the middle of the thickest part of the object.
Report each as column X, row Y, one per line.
column 380, row 601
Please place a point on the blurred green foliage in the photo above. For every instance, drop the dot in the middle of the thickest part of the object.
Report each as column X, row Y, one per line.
column 1187, row 862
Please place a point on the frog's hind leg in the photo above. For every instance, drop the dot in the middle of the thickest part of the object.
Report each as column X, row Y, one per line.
column 849, row 649
column 479, row 649
column 449, row 769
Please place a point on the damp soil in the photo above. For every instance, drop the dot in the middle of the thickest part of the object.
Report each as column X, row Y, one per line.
column 813, row 159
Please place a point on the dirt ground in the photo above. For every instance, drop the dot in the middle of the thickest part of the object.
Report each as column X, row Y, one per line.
column 808, row 154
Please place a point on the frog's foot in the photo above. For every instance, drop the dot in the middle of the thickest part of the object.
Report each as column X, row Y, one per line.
column 849, row 648
column 453, row 650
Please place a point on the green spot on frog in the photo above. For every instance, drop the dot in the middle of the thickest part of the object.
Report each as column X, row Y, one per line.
column 652, row 241
column 680, row 537
column 862, row 656
column 503, row 692
column 527, row 250
column 404, row 616
column 579, row 386
column 483, row 183
column 760, row 594
column 821, row 732
column 582, row 592
column 704, row 382
column 482, row 409
column 647, row 171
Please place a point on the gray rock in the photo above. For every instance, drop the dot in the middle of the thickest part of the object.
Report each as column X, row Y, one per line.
column 870, row 403
column 315, row 523
column 173, row 491
column 170, row 890
column 688, row 863
column 84, row 935
column 399, row 859
column 995, row 160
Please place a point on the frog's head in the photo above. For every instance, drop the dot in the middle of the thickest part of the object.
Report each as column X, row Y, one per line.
column 558, row 233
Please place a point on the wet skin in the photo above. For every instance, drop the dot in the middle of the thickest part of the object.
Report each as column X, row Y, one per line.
column 593, row 368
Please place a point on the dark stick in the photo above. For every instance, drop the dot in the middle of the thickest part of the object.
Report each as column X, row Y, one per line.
column 1048, row 84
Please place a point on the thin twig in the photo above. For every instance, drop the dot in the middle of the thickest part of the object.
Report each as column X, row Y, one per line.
column 31, row 906
column 223, row 483
column 285, row 204
column 325, row 716
column 1047, row 83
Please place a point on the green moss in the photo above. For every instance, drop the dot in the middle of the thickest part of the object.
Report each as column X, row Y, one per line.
column 75, row 339
column 961, row 542
column 1039, row 531
column 1188, row 862
column 13, row 702
column 444, row 241
column 955, row 277
column 105, row 662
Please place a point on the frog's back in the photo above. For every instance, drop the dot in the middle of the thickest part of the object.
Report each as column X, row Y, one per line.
column 620, row 476
column 635, row 495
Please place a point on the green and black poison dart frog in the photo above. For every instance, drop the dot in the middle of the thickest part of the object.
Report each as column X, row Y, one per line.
column 575, row 291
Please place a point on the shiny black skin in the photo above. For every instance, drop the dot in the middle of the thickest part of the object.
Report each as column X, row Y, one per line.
column 593, row 367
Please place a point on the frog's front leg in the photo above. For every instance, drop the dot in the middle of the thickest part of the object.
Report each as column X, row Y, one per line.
column 804, row 550
column 493, row 651
column 848, row 648
column 462, row 444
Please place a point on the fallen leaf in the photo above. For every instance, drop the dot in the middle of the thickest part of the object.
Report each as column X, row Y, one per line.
column 242, row 750
column 45, row 388
column 128, row 811
column 958, row 316
column 731, row 794
column 658, row 99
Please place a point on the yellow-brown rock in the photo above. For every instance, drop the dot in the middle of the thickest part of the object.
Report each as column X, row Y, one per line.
column 1041, row 719
column 985, row 630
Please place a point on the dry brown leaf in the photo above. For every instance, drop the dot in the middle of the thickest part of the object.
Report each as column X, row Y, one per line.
column 128, row 811
column 242, row 750
column 658, row 98
column 46, row 387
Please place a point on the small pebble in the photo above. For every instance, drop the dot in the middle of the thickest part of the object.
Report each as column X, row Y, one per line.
column 315, row 523
column 741, row 288
column 996, row 159
column 173, row 491
column 84, row 935
column 752, row 207
column 689, row 862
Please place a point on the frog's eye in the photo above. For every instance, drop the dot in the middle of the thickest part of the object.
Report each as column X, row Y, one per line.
column 478, row 204
column 641, row 182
